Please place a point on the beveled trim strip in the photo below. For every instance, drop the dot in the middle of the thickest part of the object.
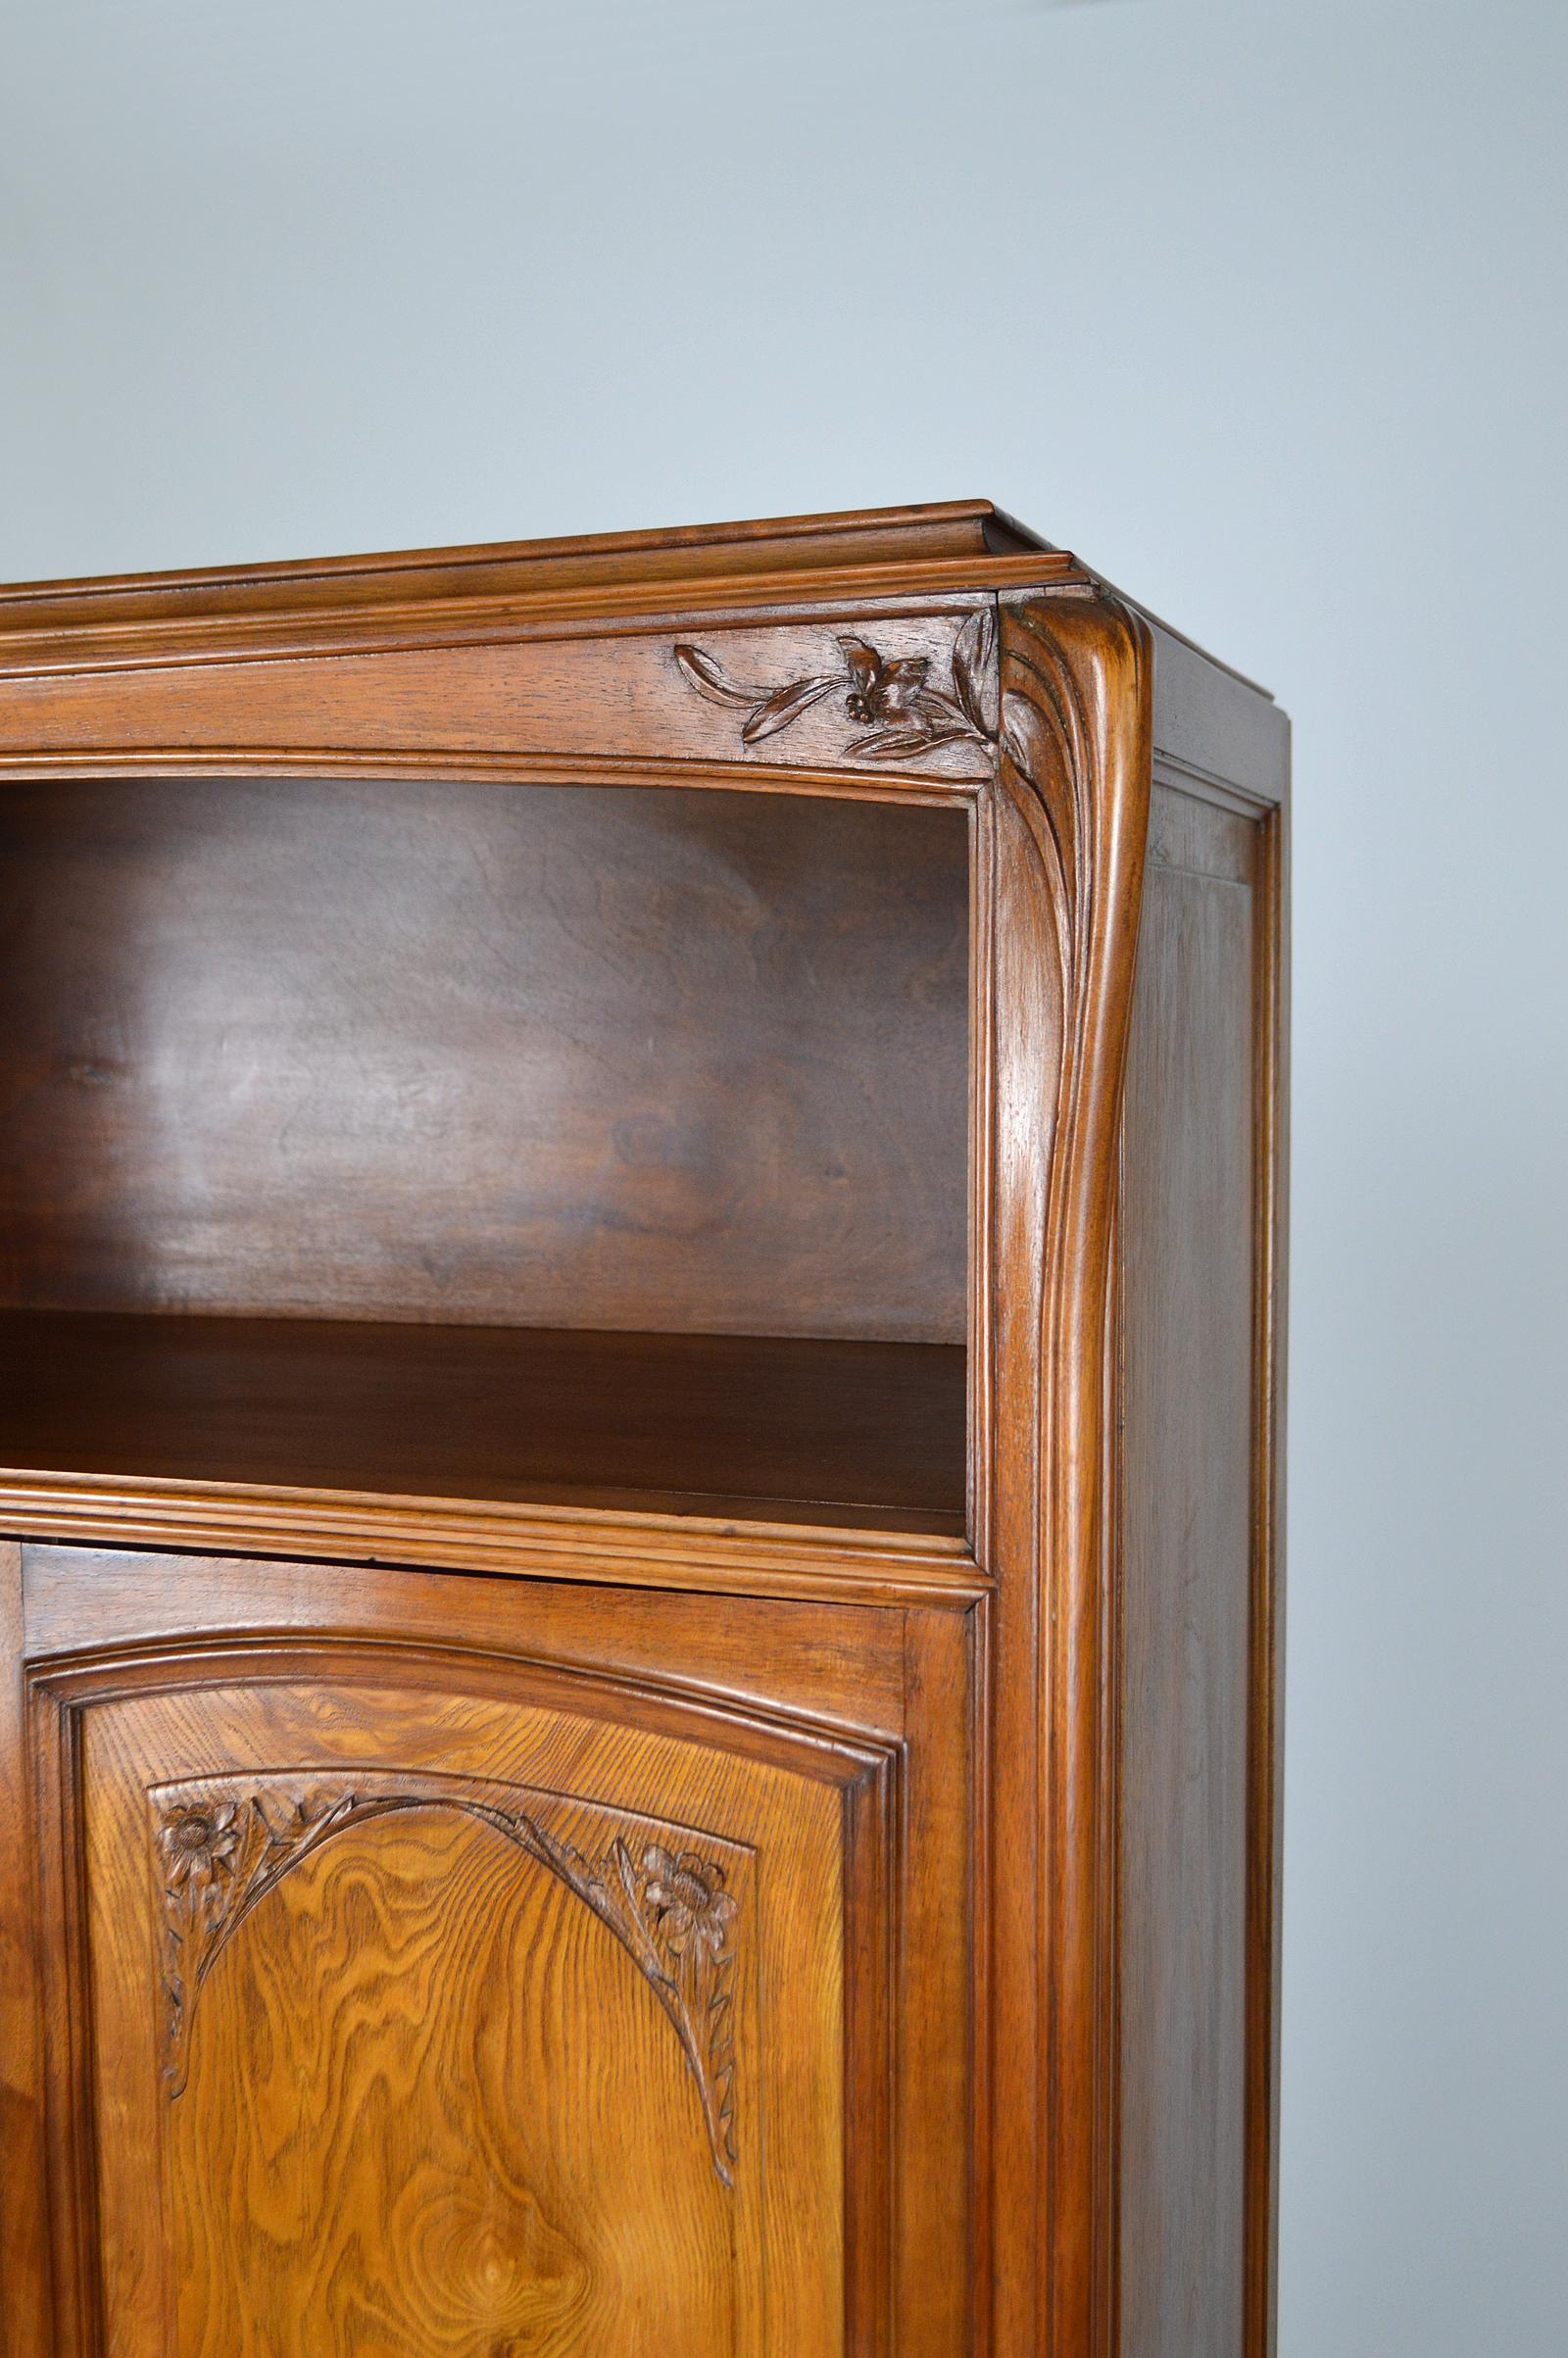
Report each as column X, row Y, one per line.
column 830, row 1561
column 76, row 642
column 443, row 765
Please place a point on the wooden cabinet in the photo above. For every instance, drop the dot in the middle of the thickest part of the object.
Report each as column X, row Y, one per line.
column 639, row 1339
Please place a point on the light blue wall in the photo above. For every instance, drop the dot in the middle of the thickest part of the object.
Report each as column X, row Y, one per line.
column 1259, row 307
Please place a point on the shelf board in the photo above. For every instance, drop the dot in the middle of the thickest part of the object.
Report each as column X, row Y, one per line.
column 734, row 1426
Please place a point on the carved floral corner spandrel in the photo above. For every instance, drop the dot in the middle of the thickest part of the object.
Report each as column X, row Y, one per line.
column 219, row 1857
column 902, row 714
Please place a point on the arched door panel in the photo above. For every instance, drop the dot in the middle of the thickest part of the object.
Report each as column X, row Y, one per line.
column 437, row 1963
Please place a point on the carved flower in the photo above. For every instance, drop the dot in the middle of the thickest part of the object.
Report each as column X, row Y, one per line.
column 688, row 1898
column 883, row 690
column 199, row 1841
column 890, row 697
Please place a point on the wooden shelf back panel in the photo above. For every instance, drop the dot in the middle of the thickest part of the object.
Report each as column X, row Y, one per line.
column 588, row 1056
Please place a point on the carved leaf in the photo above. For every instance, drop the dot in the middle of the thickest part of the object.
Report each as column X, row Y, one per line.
column 889, row 745
column 784, row 706
column 865, row 663
column 1025, row 738
column 942, row 711
column 711, row 680
column 974, row 671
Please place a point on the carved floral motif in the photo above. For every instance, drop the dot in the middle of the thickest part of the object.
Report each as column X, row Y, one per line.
column 219, row 1858
column 890, row 698
column 688, row 1898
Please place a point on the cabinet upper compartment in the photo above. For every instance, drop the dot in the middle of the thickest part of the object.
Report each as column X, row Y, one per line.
column 405, row 1063
column 495, row 1024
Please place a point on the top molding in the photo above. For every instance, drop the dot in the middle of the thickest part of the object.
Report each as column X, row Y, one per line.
column 436, row 596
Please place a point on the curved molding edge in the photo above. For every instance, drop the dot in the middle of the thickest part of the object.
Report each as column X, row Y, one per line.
column 1077, row 752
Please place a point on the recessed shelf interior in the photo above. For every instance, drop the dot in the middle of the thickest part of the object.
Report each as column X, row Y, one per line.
column 587, row 1144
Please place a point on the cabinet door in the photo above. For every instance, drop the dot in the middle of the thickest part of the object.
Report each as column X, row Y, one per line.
column 443, row 1965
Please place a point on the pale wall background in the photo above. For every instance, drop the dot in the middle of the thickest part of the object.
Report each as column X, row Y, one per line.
column 1261, row 309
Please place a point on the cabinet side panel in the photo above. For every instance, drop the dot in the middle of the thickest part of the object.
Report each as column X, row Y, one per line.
column 1188, row 1358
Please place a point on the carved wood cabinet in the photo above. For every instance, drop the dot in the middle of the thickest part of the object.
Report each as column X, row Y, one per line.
column 640, row 1343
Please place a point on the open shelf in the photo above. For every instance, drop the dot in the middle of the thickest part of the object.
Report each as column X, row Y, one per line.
column 816, row 1432
column 583, row 1146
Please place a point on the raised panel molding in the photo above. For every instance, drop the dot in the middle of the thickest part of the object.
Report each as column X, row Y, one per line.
column 223, row 1848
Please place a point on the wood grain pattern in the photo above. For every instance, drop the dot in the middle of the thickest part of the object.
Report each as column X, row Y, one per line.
column 222, row 1853
column 538, row 1056
column 578, row 2071
column 483, row 2181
